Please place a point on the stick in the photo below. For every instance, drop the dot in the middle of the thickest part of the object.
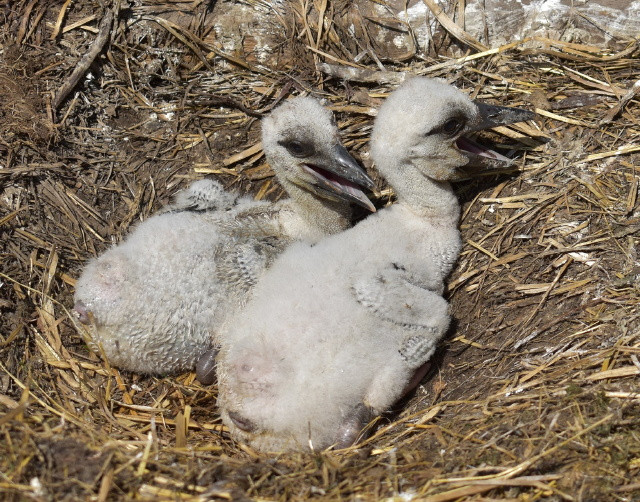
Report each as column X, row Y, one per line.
column 86, row 60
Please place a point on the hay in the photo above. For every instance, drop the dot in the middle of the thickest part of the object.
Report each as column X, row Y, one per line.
column 535, row 391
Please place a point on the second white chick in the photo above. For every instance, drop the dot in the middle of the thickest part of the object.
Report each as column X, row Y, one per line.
column 154, row 303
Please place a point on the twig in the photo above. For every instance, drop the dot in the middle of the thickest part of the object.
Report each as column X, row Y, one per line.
column 616, row 110
column 84, row 63
column 362, row 74
column 455, row 30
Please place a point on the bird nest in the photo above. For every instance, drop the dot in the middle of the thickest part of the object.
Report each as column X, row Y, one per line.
column 107, row 109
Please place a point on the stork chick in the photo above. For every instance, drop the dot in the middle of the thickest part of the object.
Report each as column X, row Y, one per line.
column 334, row 332
column 154, row 303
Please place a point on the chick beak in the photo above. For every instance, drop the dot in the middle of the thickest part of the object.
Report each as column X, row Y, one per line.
column 337, row 176
column 481, row 157
column 494, row 116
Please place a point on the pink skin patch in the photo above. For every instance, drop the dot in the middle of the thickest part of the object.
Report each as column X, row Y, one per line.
column 81, row 312
column 416, row 378
column 467, row 145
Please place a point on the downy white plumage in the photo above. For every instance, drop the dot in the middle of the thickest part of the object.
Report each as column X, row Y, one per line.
column 153, row 304
column 334, row 332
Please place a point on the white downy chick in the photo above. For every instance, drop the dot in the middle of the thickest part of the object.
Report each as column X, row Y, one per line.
column 334, row 332
column 154, row 303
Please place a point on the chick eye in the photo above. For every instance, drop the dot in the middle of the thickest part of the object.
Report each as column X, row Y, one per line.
column 298, row 148
column 452, row 127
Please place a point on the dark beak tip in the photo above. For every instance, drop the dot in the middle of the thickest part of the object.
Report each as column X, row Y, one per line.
column 495, row 115
column 360, row 176
column 349, row 168
column 370, row 183
column 523, row 115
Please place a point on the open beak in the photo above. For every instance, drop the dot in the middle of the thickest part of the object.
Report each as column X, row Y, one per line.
column 481, row 157
column 337, row 176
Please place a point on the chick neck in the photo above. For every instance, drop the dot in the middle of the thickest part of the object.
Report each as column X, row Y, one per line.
column 431, row 199
column 321, row 216
column 424, row 196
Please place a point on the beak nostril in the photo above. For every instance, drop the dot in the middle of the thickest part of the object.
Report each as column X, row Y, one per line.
column 241, row 422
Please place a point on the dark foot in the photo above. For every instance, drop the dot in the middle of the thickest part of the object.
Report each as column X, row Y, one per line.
column 351, row 429
column 206, row 367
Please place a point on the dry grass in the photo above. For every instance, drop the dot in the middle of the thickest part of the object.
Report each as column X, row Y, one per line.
column 535, row 394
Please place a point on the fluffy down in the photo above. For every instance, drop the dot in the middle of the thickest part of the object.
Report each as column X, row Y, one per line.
column 334, row 333
column 333, row 329
column 154, row 304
